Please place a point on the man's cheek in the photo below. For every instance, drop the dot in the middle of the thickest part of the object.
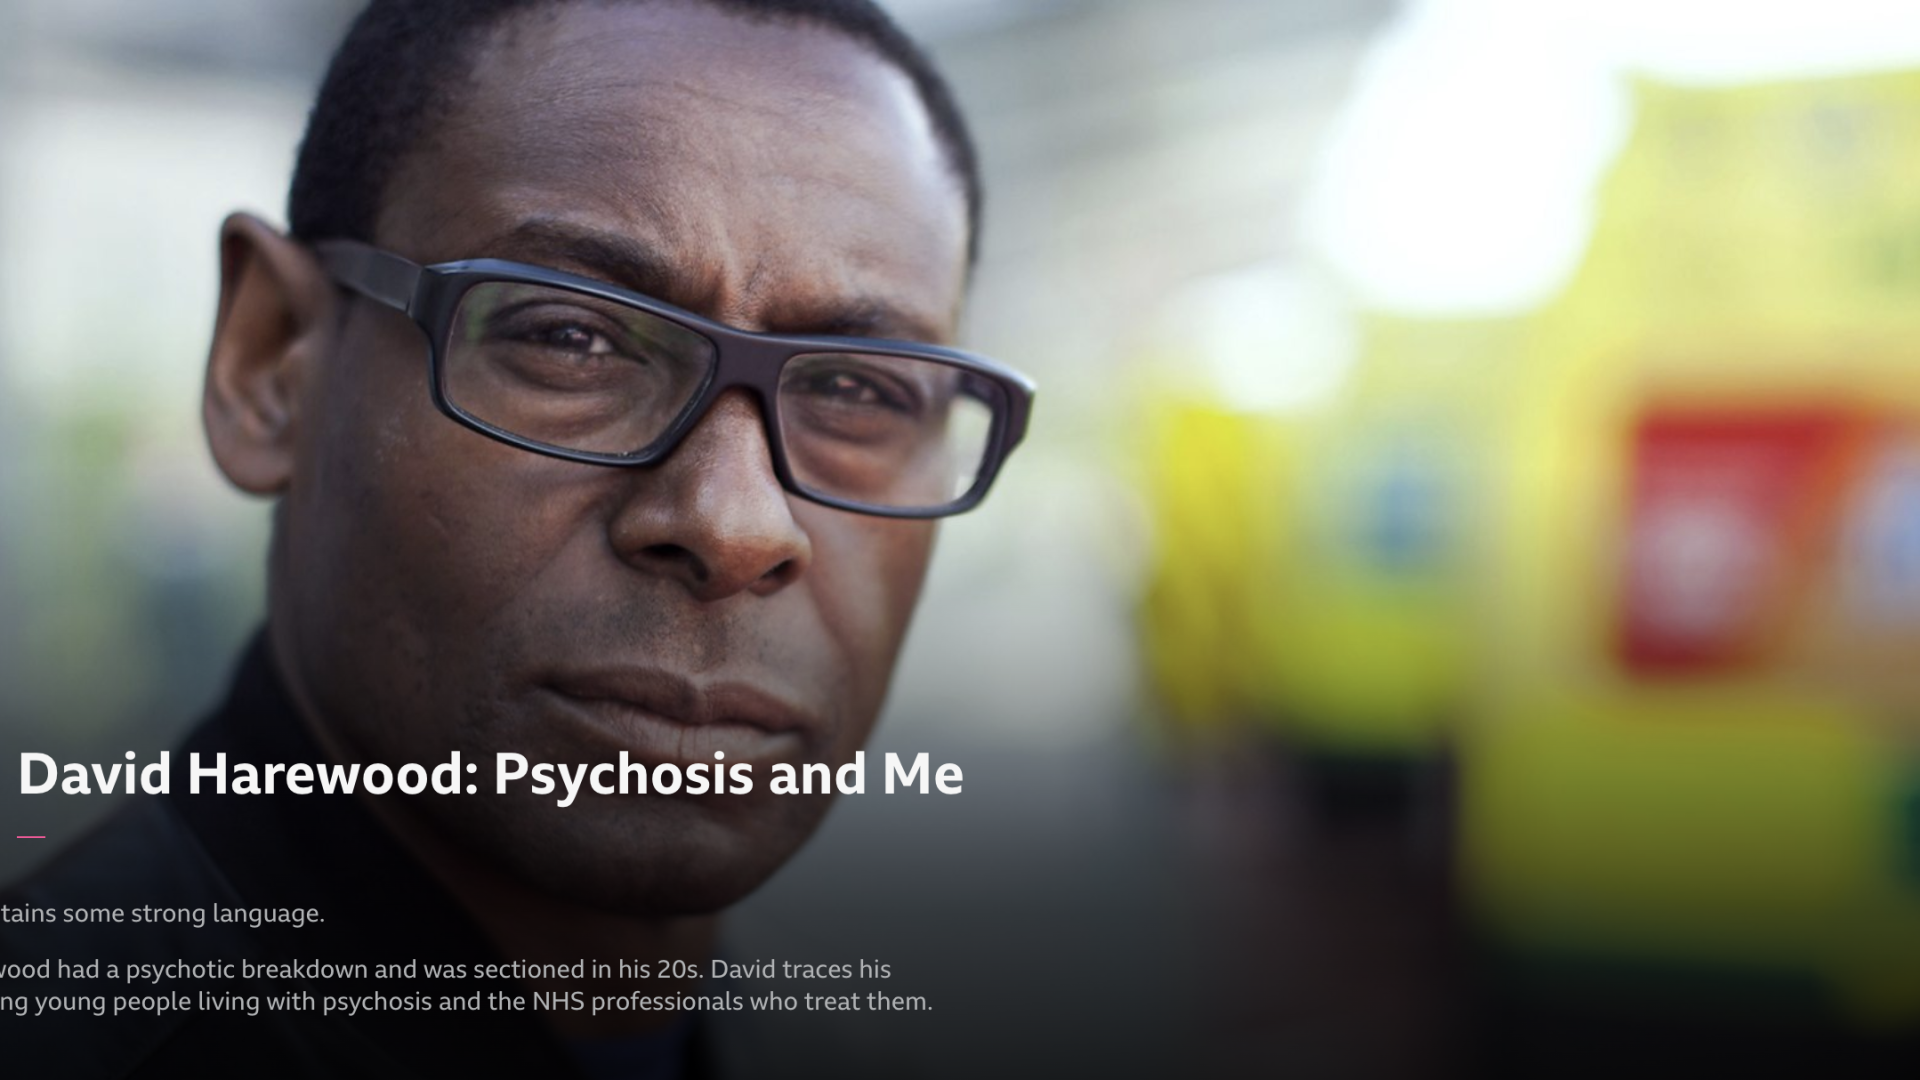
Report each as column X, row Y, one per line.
column 902, row 552
column 869, row 602
column 466, row 536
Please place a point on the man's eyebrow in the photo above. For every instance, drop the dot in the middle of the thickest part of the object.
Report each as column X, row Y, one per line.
column 610, row 257
column 870, row 316
column 629, row 263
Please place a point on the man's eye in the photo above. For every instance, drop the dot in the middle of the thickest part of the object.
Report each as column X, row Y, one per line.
column 570, row 338
column 849, row 389
column 852, row 389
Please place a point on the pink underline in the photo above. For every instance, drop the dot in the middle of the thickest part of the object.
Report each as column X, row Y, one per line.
column 29, row 838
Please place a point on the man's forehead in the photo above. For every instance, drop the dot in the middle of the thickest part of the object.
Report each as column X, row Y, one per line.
column 688, row 52
column 687, row 128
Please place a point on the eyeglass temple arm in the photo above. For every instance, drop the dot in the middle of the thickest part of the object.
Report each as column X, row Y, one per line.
column 374, row 274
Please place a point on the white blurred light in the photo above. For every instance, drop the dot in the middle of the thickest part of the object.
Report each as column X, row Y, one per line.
column 1275, row 339
column 1460, row 178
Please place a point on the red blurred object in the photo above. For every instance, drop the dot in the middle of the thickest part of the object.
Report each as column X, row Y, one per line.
column 1731, row 517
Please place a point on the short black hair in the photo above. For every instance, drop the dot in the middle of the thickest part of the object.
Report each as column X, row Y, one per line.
column 392, row 71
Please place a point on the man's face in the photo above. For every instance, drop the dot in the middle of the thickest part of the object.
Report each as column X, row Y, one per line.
column 436, row 590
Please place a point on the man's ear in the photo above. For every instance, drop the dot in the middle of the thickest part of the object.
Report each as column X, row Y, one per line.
column 276, row 306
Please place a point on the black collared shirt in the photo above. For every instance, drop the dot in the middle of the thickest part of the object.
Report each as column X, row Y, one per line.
column 278, row 851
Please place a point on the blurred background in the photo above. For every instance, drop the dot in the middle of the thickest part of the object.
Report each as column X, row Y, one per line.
column 1456, row 612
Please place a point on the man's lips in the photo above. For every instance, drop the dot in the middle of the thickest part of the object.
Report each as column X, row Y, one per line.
column 662, row 717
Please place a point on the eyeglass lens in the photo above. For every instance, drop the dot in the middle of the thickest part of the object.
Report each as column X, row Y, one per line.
column 581, row 373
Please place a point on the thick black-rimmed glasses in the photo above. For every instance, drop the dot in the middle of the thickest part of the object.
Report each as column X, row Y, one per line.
column 578, row 369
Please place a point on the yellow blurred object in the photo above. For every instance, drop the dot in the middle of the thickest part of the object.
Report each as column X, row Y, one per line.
column 1740, row 832
column 1216, row 480
column 1693, row 742
column 1647, row 559
column 1311, row 568
column 1367, row 654
column 1305, row 577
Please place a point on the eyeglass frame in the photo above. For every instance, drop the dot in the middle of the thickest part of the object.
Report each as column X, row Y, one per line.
column 430, row 295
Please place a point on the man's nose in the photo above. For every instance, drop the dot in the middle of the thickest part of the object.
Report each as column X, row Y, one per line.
column 713, row 515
